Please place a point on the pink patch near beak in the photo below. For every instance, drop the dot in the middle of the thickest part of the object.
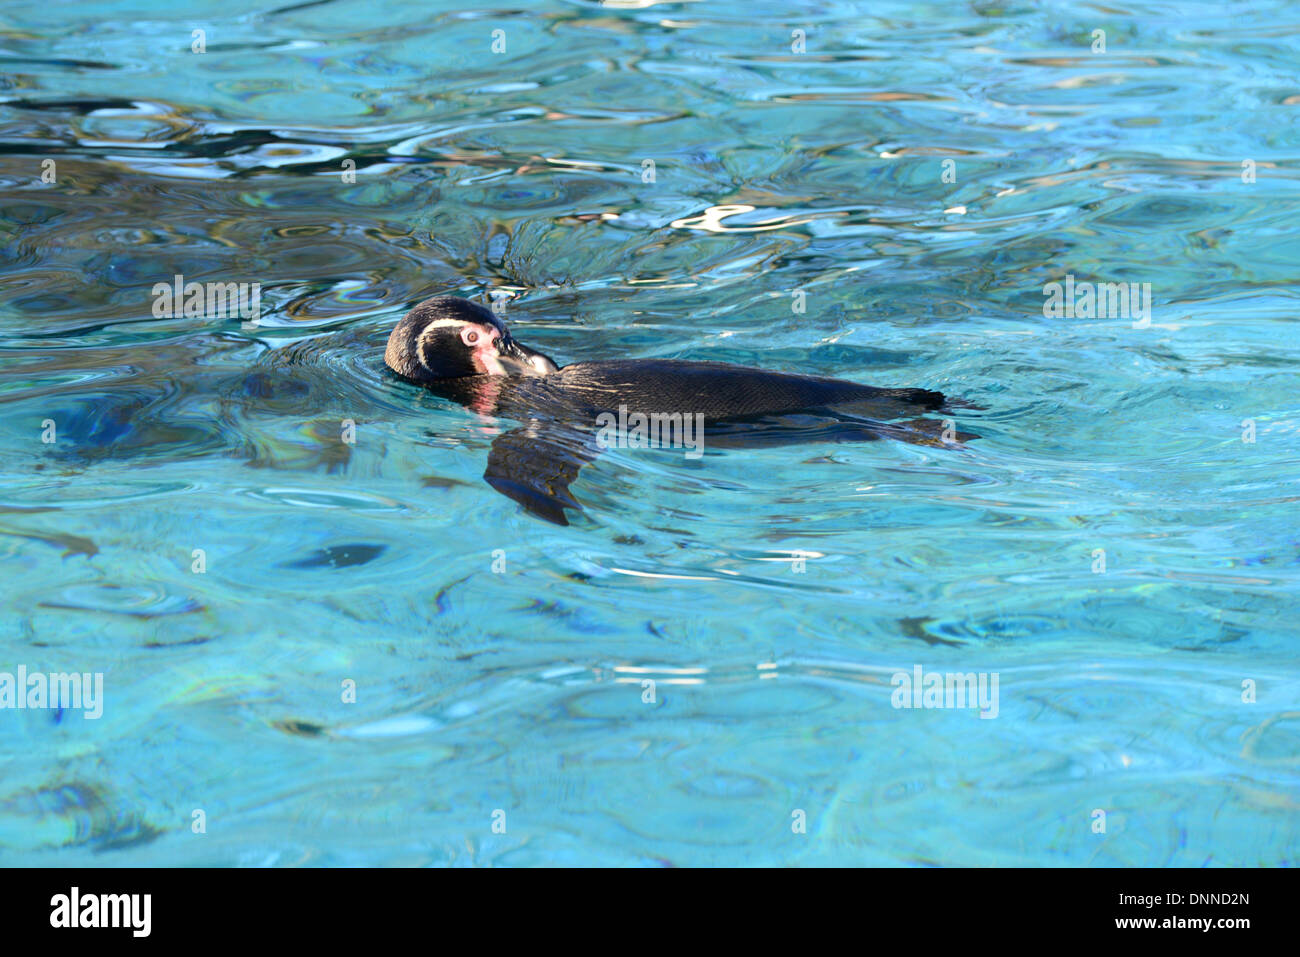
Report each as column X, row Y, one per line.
column 485, row 352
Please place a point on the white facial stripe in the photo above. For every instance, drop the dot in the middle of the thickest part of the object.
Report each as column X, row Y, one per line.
column 421, row 342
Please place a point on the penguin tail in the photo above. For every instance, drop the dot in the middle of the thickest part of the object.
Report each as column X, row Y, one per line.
column 927, row 399
column 933, row 401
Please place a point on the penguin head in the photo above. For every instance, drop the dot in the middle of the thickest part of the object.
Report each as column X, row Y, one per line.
column 450, row 338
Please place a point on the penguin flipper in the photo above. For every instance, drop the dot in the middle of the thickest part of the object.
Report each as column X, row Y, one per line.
column 534, row 465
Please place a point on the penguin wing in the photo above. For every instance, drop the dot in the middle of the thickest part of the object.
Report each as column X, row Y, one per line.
column 534, row 465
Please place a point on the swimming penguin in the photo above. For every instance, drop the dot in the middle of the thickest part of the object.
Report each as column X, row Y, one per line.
column 463, row 352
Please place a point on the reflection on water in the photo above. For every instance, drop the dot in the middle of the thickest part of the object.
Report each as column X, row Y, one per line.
column 712, row 647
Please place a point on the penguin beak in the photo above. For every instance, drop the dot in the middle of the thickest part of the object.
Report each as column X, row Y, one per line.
column 521, row 360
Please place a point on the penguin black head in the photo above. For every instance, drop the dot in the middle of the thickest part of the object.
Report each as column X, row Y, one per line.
column 450, row 338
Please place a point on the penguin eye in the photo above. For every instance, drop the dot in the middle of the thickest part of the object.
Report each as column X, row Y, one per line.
column 469, row 336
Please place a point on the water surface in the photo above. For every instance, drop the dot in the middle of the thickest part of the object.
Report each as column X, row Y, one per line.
column 524, row 176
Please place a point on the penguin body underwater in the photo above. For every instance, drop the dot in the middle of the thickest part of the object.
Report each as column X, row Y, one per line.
column 461, row 351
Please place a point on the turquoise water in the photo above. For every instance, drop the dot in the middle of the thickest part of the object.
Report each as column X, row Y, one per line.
column 1114, row 547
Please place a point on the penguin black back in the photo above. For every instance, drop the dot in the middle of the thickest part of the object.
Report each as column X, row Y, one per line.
column 717, row 390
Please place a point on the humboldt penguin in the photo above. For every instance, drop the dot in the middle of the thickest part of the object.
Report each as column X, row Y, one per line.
column 461, row 351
